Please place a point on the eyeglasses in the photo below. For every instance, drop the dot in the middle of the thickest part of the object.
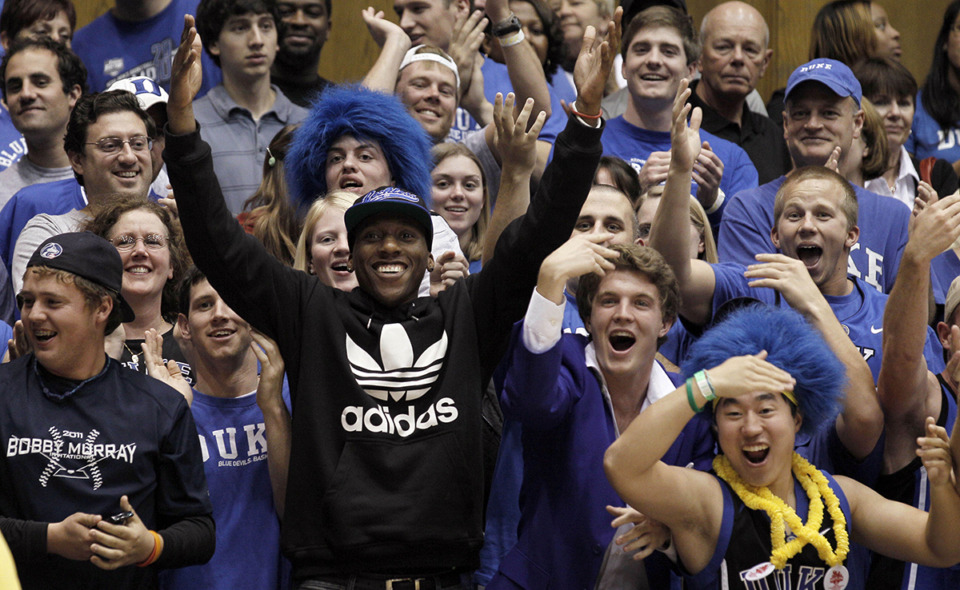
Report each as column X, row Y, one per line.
column 126, row 243
column 112, row 145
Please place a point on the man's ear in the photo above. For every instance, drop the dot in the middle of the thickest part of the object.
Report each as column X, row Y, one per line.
column 858, row 118
column 775, row 237
column 767, row 55
column 74, row 95
column 349, row 263
column 184, row 326
column 797, row 421
column 664, row 328
column 76, row 162
column 103, row 310
column 943, row 334
column 431, row 264
column 853, row 234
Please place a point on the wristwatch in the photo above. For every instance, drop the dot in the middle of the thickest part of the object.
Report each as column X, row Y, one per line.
column 507, row 26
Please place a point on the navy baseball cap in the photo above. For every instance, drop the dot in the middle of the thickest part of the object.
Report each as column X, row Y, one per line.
column 89, row 256
column 389, row 199
column 833, row 74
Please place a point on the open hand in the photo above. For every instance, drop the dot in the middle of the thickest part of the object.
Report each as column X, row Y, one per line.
column 594, row 63
column 517, row 144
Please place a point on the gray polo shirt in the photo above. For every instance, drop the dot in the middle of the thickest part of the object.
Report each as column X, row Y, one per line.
column 239, row 143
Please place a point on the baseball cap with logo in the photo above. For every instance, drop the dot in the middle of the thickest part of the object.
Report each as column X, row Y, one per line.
column 147, row 91
column 393, row 200
column 831, row 73
column 89, row 256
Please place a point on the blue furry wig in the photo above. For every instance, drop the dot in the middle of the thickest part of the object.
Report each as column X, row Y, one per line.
column 364, row 114
column 791, row 344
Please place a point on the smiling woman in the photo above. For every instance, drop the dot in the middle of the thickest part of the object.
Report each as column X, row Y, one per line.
column 154, row 259
column 460, row 196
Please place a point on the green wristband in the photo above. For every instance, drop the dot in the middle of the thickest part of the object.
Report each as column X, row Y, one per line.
column 706, row 387
column 693, row 404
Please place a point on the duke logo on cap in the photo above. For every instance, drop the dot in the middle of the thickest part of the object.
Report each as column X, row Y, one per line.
column 831, row 73
column 51, row 250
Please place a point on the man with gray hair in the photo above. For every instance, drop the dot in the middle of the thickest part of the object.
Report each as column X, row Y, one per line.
column 734, row 56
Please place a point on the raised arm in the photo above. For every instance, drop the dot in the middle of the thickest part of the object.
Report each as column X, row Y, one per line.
column 186, row 79
column 633, row 464
column 538, row 390
column 671, row 225
column 255, row 284
column 860, row 424
column 468, row 34
column 518, row 150
column 393, row 43
column 504, row 284
column 523, row 66
column 908, row 392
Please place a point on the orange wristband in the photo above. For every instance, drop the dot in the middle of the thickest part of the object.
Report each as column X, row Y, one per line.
column 573, row 109
column 157, row 550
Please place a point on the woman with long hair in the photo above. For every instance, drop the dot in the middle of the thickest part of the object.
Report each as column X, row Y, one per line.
column 936, row 123
column 460, row 196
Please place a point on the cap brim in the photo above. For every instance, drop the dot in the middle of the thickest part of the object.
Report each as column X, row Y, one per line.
column 126, row 312
column 357, row 213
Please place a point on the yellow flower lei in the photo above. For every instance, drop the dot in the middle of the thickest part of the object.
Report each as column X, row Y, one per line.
column 816, row 487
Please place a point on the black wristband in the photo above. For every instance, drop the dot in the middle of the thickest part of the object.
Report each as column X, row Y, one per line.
column 507, row 26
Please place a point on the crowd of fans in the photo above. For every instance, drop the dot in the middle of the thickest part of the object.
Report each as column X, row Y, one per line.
column 550, row 298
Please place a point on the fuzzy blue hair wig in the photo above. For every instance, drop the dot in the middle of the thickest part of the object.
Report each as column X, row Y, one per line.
column 364, row 114
column 791, row 343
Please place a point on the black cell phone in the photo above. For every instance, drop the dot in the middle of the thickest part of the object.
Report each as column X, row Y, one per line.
column 118, row 518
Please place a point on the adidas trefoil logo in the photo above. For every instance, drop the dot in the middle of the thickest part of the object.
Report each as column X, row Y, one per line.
column 401, row 377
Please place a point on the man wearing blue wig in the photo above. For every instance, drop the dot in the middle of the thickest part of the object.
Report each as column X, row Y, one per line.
column 385, row 486
column 765, row 512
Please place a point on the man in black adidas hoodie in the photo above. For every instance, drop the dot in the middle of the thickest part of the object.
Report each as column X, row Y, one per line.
column 385, row 486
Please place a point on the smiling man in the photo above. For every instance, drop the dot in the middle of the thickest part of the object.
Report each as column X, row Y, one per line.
column 659, row 50
column 304, row 28
column 240, row 116
column 234, row 437
column 103, row 439
column 42, row 81
column 109, row 139
column 386, row 476
column 735, row 55
column 822, row 113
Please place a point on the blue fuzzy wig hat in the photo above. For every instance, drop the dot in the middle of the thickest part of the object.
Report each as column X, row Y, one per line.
column 791, row 344
column 364, row 114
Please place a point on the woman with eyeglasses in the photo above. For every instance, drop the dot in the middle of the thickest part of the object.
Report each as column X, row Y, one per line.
column 154, row 258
